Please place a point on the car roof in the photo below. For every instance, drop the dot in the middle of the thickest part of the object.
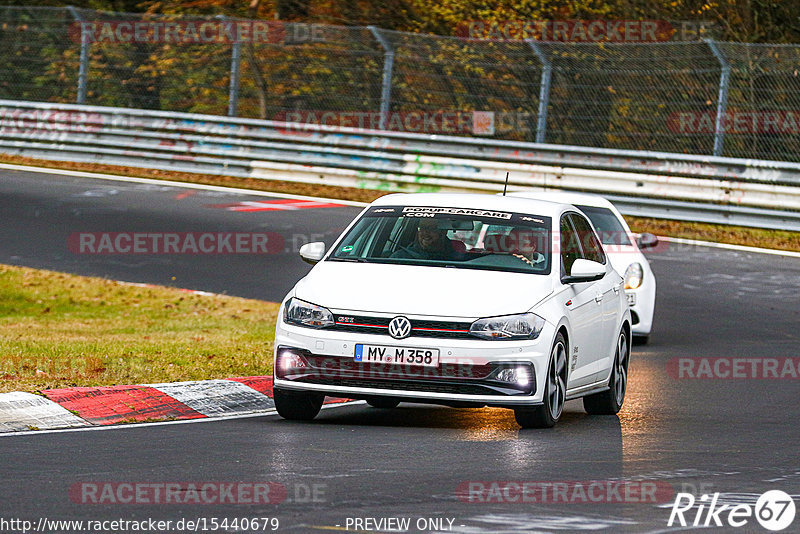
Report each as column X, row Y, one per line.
column 475, row 201
column 566, row 197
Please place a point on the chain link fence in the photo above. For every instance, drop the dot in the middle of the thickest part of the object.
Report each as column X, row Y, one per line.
column 699, row 97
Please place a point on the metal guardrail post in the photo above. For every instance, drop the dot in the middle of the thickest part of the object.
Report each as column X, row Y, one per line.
column 544, row 92
column 722, row 98
column 236, row 65
column 388, row 66
column 83, row 69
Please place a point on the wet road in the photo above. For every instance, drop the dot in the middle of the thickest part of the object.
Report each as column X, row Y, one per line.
column 738, row 437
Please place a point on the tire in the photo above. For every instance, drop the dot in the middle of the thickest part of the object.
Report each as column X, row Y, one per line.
column 296, row 406
column 641, row 340
column 385, row 403
column 555, row 388
column 609, row 402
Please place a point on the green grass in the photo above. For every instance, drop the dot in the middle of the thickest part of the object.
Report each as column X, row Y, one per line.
column 60, row 330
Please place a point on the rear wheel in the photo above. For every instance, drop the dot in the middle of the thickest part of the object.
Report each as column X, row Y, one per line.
column 555, row 391
column 386, row 403
column 609, row 402
column 297, row 406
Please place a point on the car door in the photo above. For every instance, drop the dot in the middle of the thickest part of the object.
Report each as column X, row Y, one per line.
column 585, row 312
column 607, row 294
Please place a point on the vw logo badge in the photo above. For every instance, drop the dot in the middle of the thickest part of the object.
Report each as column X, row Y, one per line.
column 399, row 327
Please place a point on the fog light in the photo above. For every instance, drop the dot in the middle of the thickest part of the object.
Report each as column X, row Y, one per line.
column 288, row 362
column 519, row 376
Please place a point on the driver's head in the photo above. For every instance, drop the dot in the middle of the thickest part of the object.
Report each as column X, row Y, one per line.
column 430, row 235
column 522, row 240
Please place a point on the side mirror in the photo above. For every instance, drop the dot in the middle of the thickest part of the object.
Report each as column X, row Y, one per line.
column 585, row 271
column 312, row 252
column 646, row 240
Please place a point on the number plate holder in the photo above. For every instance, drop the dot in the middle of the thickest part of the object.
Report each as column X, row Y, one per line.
column 388, row 354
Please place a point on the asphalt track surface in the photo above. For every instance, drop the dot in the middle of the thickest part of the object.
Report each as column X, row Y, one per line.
column 738, row 437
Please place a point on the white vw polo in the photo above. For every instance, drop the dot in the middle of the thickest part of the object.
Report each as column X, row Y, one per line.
column 402, row 309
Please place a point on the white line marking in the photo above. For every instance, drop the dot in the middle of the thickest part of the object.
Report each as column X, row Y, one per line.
column 728, row 246
column 189, row 185
column 170, row 183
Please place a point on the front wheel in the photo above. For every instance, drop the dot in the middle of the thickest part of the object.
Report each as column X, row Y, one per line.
column 609, row 402
column 297, row 406
column 555, row 392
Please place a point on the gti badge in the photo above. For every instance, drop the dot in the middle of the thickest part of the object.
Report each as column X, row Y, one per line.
column 399, row 327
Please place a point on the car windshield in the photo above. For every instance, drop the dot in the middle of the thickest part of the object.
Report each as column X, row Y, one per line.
column 449, row 237
column 608, row 227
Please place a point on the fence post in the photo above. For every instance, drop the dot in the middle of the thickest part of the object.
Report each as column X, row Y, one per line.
column 236, row 64
column 83, row 69
column 722, row 98
column 388, row 65
column 544, row 91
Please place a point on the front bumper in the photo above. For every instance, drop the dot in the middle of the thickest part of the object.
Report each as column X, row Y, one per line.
column 466, row 373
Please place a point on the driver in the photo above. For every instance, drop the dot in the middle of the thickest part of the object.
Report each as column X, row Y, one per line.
column 431, row 243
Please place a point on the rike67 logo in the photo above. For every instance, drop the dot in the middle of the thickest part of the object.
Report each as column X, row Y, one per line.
column 774, row 510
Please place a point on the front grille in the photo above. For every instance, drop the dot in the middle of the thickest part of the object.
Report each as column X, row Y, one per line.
column 363, row 324
column 462, row 379
column 415, row 385
column 336, row 367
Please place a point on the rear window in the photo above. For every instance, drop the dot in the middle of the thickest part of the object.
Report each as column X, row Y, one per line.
column 608, row 227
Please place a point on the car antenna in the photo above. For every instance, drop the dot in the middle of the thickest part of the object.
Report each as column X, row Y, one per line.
column 505, row 186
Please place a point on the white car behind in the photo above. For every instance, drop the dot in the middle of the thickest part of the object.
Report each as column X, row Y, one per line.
column 624, row 250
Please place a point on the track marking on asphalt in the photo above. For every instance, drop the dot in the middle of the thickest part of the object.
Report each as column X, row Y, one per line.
column 728, row 246
column 188, row 185
column 172, row 183
column 132, row 426
column 287, row 204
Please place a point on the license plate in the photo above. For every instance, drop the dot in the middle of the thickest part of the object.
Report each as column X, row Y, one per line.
column 397, row 355
column 631, row 299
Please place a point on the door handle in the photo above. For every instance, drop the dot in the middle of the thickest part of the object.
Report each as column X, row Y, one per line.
column 598, row 298
column 616, row 290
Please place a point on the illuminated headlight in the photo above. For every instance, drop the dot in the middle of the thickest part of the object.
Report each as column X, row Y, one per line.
column 302, row 313
column 633, row 276
column 520, row 326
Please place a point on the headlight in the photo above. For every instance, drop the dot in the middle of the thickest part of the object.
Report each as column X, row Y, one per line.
column 634, row 275
column 302, row 313
column 521, row 326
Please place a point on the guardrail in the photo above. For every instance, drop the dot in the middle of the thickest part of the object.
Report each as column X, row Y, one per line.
column 695, row 188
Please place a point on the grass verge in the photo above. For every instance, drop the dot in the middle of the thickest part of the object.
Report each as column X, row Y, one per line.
column 61, row 330
column 737, row 235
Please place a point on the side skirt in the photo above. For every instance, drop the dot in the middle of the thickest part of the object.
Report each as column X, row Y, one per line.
column 582, row 391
